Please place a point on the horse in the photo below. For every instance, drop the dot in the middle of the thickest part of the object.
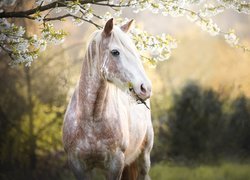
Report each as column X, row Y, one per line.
column 105, row 127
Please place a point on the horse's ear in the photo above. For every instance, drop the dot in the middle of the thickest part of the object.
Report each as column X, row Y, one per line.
column 108, row 27
column 126, row 27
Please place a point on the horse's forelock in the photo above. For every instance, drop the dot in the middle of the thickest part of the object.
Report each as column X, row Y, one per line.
column 117, row 35
column 124, row 41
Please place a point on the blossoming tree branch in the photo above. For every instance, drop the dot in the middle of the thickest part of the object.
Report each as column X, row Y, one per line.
column 23, row 47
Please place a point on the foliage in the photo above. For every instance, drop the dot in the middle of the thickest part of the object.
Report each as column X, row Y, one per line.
column 223, row 171
column 9, row 98
column 199, row 129
column 237, row 132
column 31, row 127
column 24, row 49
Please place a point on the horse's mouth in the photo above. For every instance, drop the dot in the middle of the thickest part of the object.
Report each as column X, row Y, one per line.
column 137, row 98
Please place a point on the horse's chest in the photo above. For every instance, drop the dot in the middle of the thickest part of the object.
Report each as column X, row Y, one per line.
column 99, row 137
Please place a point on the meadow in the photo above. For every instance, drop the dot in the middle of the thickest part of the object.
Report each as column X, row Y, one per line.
column 222, row 171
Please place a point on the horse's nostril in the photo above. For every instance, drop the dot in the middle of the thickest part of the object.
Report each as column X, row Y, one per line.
column 143, row 89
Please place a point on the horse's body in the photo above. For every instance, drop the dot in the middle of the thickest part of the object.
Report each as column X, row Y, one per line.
column 102, row 127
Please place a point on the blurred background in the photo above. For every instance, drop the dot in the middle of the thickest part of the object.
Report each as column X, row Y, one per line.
column 200, row 103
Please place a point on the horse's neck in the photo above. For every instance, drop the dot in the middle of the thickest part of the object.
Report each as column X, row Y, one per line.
column 92, row 94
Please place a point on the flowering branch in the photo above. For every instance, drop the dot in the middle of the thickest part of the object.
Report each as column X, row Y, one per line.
column 24, row 49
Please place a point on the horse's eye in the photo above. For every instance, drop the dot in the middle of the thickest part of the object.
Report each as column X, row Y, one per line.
column 115, row 53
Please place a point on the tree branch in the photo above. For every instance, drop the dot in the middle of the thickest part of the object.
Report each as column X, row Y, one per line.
column 27, row 13
column 114, row 5
column 57, row 18
column 24, row 14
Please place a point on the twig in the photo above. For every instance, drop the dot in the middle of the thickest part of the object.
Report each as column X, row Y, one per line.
column 89, row 21
column 57, row 18
column 114, row 5
column 138, row 99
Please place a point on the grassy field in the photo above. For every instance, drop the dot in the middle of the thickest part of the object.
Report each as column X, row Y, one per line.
column 224, row 171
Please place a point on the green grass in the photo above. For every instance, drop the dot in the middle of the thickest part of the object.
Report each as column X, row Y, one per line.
column 224, row 171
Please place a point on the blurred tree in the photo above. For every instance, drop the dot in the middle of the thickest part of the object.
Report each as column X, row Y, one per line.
column 197, row 127
column 32, row 111
column 32, row 105
column 12, row 107
column 194, row 124
column 238, row 130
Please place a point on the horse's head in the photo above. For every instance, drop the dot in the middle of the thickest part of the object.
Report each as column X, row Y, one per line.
column 121, row 64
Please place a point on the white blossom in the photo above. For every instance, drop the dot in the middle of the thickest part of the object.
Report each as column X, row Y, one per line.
column 164, row 13
column 173, row 44
column 4, row 23
column 209, row 26
column 87, row 6
column 154, row 8
column 20, row 31
column 57, row 41
column 107, row 16
column 88, row 16
column 28, row 64
column 118, row 13
column 231, row 38
column 192, row 16
column 165, row 55
column 22, row 46
column 77, row 21
column 144, row 6
column 136, row 10
column 43, row 45
column 73, row 9
column 39, row 1
column 156, row 52
column 133, row 2
column 3, row 37
column 213, row 30
column 210, row 10
column 175, row 11
column 35, row 41
column 58, row 9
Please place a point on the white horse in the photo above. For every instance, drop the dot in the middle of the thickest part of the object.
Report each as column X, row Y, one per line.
column 103, row 126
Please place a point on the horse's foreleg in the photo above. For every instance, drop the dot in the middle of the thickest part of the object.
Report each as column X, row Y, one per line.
column 144, row 158
column 115, row 165
column 144, row 165
column 80, row 170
